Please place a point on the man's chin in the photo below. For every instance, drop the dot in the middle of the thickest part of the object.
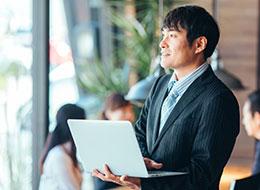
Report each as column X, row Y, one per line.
column 164, row 65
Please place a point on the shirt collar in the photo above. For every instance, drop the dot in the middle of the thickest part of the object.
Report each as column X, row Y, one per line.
column 180, row 86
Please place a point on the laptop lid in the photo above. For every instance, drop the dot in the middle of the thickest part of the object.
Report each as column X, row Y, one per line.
column 113, row 143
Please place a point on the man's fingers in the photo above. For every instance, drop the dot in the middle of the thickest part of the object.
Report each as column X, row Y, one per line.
column 151, row 164
column 147, row 162
column 124, row 179
column 96, row 173
column 156, row 165
column 109, row 176
column 107, row 171
column 130, row 182
column 133, row 183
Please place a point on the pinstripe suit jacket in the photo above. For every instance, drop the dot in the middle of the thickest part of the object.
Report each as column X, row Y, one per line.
column 198, row 136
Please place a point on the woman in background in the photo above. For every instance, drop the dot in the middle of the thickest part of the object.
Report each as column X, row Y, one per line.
column 59, row 165
column 251, row 120
column 116, row 107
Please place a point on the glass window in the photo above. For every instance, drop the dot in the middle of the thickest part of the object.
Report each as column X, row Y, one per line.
column 15, row 94
column 63, row 88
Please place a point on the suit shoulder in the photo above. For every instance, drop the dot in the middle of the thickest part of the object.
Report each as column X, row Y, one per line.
column 164, row 78
column 161, row 81
column 218, row 89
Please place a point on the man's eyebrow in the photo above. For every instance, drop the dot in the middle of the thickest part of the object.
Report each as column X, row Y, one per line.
column 172, row 29
column 168, row 29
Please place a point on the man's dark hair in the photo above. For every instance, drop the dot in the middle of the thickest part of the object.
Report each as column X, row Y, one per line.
column 254, row 100
column 197, row 22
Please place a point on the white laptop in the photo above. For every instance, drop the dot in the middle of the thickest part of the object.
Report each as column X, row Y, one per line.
column 114, row 143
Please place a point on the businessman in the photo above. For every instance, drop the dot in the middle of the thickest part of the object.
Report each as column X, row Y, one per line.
column 190, row 119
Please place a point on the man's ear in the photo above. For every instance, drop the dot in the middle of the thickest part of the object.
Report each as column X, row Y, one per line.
column 201, row 43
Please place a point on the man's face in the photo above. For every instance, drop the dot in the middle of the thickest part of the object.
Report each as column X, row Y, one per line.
column 176, row 52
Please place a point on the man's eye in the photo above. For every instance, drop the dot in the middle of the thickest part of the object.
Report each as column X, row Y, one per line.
column 173, row 35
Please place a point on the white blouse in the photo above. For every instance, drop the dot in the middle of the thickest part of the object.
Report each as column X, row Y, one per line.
column 59, row 172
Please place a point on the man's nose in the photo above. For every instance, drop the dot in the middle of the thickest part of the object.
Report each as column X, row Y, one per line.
column 163, row 44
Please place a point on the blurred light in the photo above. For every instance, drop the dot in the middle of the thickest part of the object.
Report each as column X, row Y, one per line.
column 230, row 80
column 139, row 92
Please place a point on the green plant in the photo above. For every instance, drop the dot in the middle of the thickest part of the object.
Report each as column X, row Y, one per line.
column 136, row 46
column 140, row 33
column 101, row 79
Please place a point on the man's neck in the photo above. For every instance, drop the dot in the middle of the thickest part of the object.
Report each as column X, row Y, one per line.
column 187, row 69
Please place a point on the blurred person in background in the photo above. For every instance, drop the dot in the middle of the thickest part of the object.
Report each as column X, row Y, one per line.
column 59, row 164
column 251, row 121
column 116, row 107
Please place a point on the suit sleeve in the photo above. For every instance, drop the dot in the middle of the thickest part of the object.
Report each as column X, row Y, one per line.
column 215, row 137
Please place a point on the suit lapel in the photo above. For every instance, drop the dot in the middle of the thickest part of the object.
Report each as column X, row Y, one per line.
column 190, row 94
column 157, row 112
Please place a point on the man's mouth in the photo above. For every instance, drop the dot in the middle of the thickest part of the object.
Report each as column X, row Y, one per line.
column 165, row 54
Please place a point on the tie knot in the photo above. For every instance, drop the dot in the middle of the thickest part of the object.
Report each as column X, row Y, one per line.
column 171, row 84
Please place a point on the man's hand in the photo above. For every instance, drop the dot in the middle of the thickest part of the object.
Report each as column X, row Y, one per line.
column 151, row 164
column 131, row 182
